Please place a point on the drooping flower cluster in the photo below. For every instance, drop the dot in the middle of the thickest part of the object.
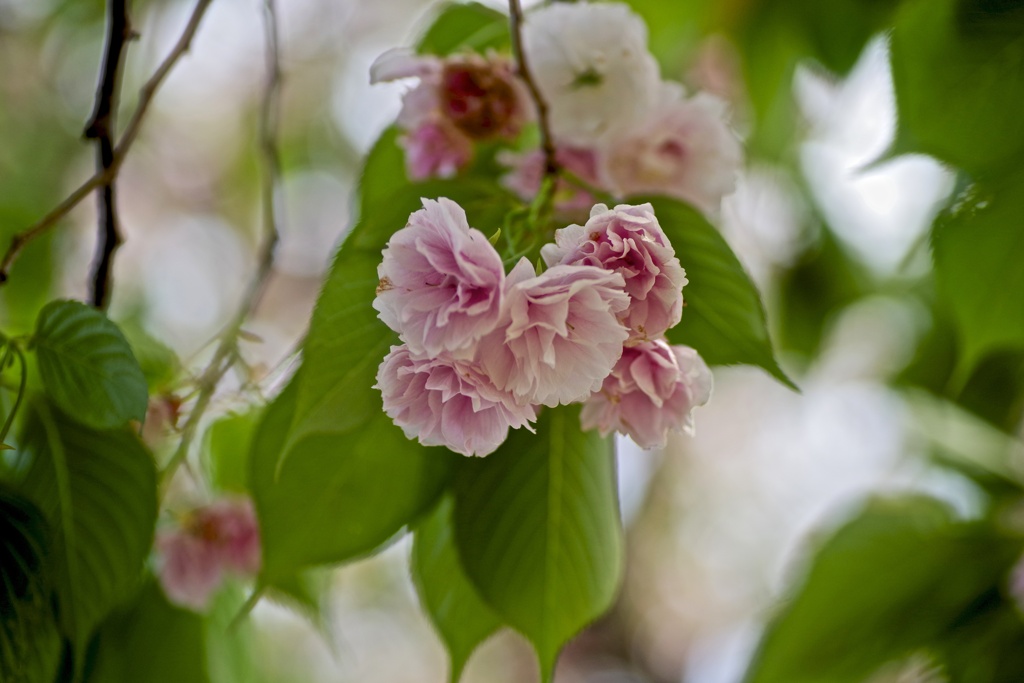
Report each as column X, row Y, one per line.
column 482, row 351
column 211, row 542
column 615, row 123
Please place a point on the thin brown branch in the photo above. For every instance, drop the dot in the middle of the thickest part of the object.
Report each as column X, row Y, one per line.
column 131, row 131
column 226, row 354
column 551, row 166
column 100, row 128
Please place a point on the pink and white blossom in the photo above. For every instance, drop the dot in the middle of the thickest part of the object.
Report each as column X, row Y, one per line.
column 441, row 282
column 527, row 173
column 211, row 541
column 435, row 149
column 445, row 402
column 628, row 240
column 190, row 568
column 652, row 391
column 683, row 148
column 230, row 526
column 459, row 99
column 592, row 65
column 561, row 336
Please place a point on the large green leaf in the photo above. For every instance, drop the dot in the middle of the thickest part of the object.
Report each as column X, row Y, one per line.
column 97, row 489
column 724, row 318
column 29, row 642
column 465, row 26
column 537, row 528
column 151, row 640
column 332, row 476
column 899, row 577
column 958, row 70
column 978, row 249
column 336, row 496
column 88, row 367
column 461, row 618
column 226, row 450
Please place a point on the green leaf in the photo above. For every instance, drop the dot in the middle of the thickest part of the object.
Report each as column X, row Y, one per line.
column 978, row 248
column 97, row 489
column 332, row 476
column 958, row 71
column 151, row 640
column 724, row 318
column 465, row 26
column 227, row 448
column 537, row 528
column 896, row 579
column 87, row 366
column 29, row 642
column 461, row 618
column 336, row 496
column 159, row 364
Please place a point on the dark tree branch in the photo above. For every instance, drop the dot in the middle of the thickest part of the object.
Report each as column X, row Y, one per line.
column 226, row 354
column 551, row 166
column 101, row 129
column 131, row 131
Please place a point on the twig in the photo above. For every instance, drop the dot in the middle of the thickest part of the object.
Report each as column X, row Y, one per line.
column 131, row 131
column 100, row 128
column 226, row 354
column 551, row 165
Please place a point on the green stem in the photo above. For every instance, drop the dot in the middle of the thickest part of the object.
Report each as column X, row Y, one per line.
column 21, row 387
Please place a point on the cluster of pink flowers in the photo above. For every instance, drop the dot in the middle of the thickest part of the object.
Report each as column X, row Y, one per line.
column 482, row 350
column 615, row 123
column 211, row 542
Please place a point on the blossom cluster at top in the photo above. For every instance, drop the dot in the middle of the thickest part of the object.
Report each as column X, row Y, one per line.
column 482, row 350
column 211, row 542
column 616, row 125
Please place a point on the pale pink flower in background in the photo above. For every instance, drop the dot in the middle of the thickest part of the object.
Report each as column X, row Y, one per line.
column 652, row 391
column 445, row 402
column 527, row 173
column 561, row 337
column 482, row 96
column 459, row 99
column 684, row 148
column 435, row 149
column 190, row 568
column 213, row 540
column 231, row 527
column 628, row 240
column 441, row 282
column 593, row 67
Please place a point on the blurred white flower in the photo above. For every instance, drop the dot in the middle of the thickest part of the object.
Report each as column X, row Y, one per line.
column 683, row 148
column 592, row 65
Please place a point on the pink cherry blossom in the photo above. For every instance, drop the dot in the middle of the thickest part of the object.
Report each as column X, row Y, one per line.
column 440, row 282
column 459, row 99
column 684, row 148
column 562, row 336
column 628, row 240
column 231, row 527
column 527, row 172
column 435, row 149
column 652, row 390
column 190, row 568
column 445, row 402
